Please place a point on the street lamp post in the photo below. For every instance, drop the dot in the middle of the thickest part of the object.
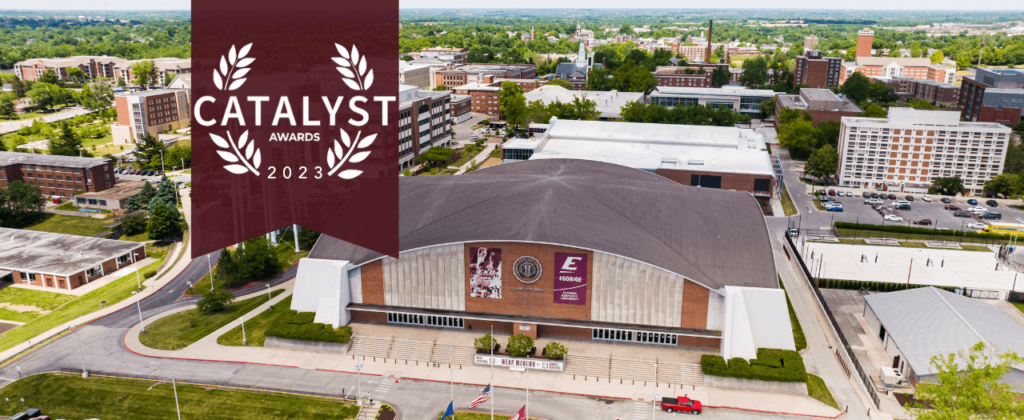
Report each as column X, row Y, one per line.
column 244, row 342
column 137, row 278
column 162, row 168
column 359, row 377
column 175, row 386
column 138, row 304
column 183, row 164
column 85, row 373
column 211, row 271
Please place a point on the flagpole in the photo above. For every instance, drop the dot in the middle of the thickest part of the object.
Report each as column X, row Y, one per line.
column 451, row 359
column 527, row 393
column 492, row 362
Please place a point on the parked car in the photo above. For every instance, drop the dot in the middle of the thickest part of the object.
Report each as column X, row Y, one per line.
column 824, row 199
column 961, row 214
column 872, row 201
column 910, row 198
column 946, row 200
column 923, row 222
column 892, row 196
column 926, row 198
column 831, row 192
column 834, row 208
column 972, row 202
column 874, row 195
column 976, row 225
column 977, row 209
column 866, row 194
column 952, row 207
column 681, row 404
column 793, row 232
column 992, row 203
column 990, row 215
column 893, row 218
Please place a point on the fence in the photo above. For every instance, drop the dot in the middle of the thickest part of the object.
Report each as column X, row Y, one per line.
column 865, row 231
column 865, row 379
column 217, row 384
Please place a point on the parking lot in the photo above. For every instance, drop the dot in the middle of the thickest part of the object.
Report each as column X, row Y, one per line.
column 854, row 210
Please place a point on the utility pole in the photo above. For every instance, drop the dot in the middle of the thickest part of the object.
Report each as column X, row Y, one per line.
column 909, row 269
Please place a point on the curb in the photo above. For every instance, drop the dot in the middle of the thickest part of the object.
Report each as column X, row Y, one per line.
column 775, row 412
column 124, row 342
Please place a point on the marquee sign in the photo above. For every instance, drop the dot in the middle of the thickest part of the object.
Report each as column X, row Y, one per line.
column 520, row 363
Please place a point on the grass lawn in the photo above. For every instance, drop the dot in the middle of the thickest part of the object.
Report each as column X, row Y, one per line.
column 1020, row 306
column 787, row 202
column 157, row 250
column 255, row 328
column 112, row 293
column 816, row 389
column 61, row 396
column 468, row 152
column 108, row 149
column 906, row 244
column 74, row 225
column 89, row 142
column 496, row 153
column 798, row 332
column 183, row 328
column 138, row 237
column 465, row 415
column 867, row 233
column 70, row 206
column 43, row 301
column 285, row 253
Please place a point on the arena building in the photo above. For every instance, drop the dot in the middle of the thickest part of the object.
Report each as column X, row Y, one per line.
column 563, row 248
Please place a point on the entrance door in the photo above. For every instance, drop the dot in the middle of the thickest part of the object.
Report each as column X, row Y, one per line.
column 896, row 362
column 881, row 332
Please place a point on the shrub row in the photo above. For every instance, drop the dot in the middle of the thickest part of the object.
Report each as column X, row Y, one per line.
column 873, row 286
column 917, row 230
column 293, row 325
column 770, row 365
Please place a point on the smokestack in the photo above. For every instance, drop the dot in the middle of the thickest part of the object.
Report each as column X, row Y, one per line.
column 707, row 54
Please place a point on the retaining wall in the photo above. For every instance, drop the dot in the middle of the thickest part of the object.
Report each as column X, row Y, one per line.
column 313, row 346
column 793, row 388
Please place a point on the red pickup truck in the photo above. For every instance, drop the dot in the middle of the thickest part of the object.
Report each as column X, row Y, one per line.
column 682, row 404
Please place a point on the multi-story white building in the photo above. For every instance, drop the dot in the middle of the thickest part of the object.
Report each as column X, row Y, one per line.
column 911, row 148
column 425, row 121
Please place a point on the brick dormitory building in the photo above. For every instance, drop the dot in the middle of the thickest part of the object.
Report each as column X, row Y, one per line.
column 60, row 261
column 57, row 176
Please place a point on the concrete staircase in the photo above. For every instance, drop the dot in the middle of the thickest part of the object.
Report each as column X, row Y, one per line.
column 419, row 351
column 370, row 347
column 586, row 366
column 634, row 370
column 460, row 355
column 680, row 373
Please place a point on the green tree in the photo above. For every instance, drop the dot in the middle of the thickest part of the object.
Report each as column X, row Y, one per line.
column 937, row 57
column 20, row 202
column 798, row 137
column 519, row 345
column 559, row 82
column 307, row 238
column 721, row 76
column 823, row 164
column 874, row 111
column 579, row 109
column 406, row 58
column 121, row 83
column 827, row 133
column 133, row 224
column 150, row 149
column 43, row 96
column 164, row 222
column 1003, row 185
column 7, row 108
column 145, row 195
column 179, row 154
column 440, row 88
column 97, row 96
column 968, row 386
column 921, row 104
column 227, row 269
column 215, row 301
column 76, row 74
column 625, row 29
column 964, row 60
column 755, row 72
column 555, row 350
column 856, row 87
column 485, row 343
column 68, row 143
column 947, row 186
column 257, row 259
column 436, row 156
column 513, row 103
column 49, row 76
column 145, row 73
column 767, row 109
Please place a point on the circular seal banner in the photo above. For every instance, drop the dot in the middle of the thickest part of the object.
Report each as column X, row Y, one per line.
column 527, row 269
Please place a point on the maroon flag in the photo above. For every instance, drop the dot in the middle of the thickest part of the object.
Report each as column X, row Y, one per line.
column 294, row 109
column 520, row 415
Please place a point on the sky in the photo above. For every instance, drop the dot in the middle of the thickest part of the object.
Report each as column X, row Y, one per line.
column 574, row 4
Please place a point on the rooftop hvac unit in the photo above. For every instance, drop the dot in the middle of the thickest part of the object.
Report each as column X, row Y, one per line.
column 889, row 376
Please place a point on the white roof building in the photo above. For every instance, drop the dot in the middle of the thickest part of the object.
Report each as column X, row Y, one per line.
column 609, row 104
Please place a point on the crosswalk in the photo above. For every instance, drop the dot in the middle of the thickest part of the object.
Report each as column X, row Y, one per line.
column 369, row 411
column 640, row 410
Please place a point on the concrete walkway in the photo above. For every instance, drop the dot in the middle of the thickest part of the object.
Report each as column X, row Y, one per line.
column 207, row 349
column 480, row 158
column 9, row 126
column 153, row 286
column 75, row 213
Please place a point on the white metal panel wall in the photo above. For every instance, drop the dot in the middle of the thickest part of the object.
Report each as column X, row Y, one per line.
column 716, row 310
column 431, row 278
column 628, row 291
column 355, row 284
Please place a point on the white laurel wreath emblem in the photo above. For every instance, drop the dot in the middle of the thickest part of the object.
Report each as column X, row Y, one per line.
column 353, row 68
column 249, row 161
column 233, row 69
column 338, row 156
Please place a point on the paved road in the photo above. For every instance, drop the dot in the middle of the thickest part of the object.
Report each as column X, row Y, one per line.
column 9, row 126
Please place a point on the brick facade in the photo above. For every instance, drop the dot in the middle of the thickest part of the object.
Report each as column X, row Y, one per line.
column 72, row 281
column 56, row 180
column 729, row 181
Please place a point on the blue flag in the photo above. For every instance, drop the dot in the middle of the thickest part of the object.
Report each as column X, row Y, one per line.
column 450, row 411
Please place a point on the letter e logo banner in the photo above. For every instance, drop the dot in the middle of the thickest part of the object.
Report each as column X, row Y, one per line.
column 294, row 111
column 570, row 284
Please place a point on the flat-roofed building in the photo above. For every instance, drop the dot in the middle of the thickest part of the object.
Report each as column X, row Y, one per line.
column 57, row 176
column 150, row 111
column 452, row 55
column 736, row 98
column 482, row 73
column 165, row 67
column 609, row 103
column 424, row 121
column 413, row 75
column 92, row 65
column 911, row 148
column 711, row 157
column 462, row 108
column 993, row 95
column 60, row 261
column 822, row 104
column 915, row 68
column 113, row 198
column 483, row 98
column 816, row 71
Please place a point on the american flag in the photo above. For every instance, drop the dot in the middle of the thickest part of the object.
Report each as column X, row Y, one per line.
column 483, row 397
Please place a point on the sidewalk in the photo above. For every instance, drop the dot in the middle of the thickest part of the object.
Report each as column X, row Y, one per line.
column 153, row 286
column 207, row 349
column 480, row 158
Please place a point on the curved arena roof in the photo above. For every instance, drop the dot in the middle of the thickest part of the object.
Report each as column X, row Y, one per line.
column 711, row 236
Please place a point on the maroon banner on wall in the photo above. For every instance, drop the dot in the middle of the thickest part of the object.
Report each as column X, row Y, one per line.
column 485, row 272
column 570, row 284
column 294, row 112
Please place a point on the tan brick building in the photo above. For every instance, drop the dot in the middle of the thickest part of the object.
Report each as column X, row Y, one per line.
column 864, row 39
column 914, row 68
column 151, row 111
column 93, row 66
column 57, row 176
column 816, row 71
column 586, row 250
column 59, row 261
column 911, row 148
